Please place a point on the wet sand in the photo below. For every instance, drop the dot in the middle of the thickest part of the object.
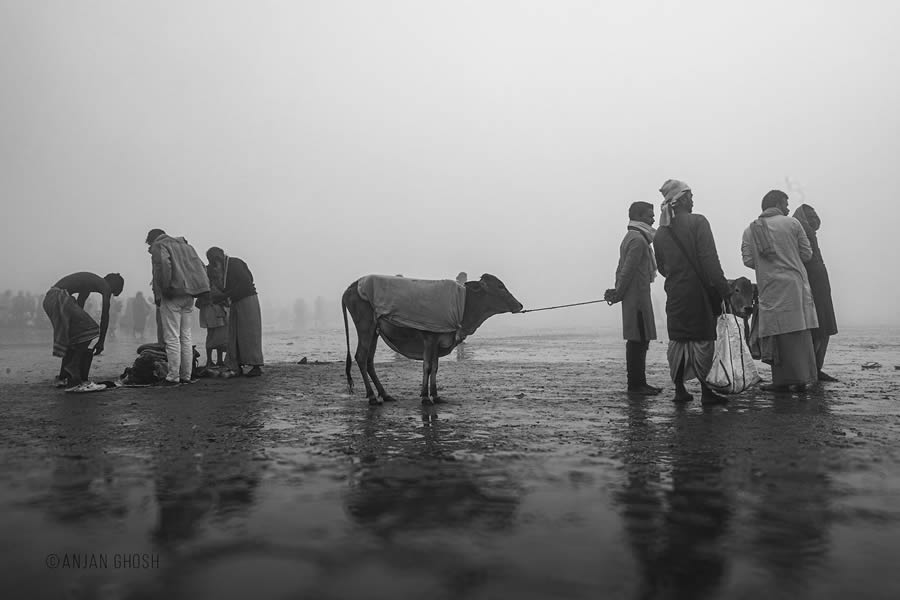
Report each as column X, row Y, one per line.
column 533, row 480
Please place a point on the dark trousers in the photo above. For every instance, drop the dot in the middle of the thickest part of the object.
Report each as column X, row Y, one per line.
column 76, row 364
column 636, row 357
column 636, row 362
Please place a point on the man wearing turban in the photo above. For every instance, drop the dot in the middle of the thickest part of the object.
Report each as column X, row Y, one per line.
column 695, row 289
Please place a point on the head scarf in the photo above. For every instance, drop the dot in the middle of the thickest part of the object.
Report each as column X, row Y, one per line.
column 809, row 218
column 672, row 190
column 649, row 233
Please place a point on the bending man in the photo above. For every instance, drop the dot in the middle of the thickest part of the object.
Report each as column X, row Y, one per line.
column 73, row 327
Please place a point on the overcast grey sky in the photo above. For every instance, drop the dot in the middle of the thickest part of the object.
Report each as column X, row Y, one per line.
column 321, row 141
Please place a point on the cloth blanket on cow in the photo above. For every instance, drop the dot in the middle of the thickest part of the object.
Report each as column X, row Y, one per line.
column 71, row 324
column 424, row 304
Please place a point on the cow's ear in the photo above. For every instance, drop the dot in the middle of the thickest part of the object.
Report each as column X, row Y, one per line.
column 476, row 286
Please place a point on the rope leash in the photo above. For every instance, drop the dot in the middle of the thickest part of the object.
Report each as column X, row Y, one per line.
column 562, row 306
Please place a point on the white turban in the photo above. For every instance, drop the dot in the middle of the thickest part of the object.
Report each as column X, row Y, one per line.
column 671, row 190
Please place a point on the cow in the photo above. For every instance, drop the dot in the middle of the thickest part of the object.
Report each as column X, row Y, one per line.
column 744, row 304
column 743, row 297
column 483, row 299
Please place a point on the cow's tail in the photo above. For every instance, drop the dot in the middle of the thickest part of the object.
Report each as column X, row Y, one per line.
column 347, row 335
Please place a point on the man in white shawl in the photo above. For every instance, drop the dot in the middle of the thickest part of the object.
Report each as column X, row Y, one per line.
column 776, row 246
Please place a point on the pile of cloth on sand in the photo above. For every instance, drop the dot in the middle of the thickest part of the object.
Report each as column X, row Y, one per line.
column 151, row 366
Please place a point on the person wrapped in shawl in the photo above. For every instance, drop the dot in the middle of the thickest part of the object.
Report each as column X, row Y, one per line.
column 686, row 256
column 821, row 288
column 776, row 247
column 634, row 274
column 214, row 317
column 244, row 315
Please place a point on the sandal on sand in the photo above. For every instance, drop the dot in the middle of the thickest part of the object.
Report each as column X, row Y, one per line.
column 87, row 386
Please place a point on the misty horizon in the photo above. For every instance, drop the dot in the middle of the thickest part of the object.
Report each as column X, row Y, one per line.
column 321, row 143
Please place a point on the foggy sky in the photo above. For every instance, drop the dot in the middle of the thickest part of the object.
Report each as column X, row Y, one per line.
column 321, row 141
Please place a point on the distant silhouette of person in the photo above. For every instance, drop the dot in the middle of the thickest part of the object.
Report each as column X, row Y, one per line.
column 115, row 310
column 301, row 314
column 140, row 309
column 462, row 278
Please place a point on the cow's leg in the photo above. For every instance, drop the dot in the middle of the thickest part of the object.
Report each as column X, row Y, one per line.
column 370, row 366
column 365, row 330
column 427, row 354
column 434, row 369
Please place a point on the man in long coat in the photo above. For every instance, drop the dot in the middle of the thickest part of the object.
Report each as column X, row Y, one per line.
column 820, row 286
column 695, row 288
column 634, row 274
column 776, row 246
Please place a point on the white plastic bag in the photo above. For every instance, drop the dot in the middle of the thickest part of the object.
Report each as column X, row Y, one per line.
column 733, row 369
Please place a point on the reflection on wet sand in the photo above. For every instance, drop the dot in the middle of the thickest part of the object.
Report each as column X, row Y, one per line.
column 676, row 508
column 84, row 482
column 680, row 496
column 407, row 483
column 209, row 481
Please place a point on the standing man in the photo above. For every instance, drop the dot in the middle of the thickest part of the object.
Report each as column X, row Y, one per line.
column 820, row 286
column 634, row 274
column 244, row 317
column 776, row 246
column 695, row 289
column 178, row 276
column 73, row 327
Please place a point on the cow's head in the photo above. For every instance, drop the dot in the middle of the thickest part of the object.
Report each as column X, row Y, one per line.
column 496, row 297
column 743, row 296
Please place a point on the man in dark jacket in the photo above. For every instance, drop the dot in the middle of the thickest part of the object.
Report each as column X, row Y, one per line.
column 635, row 272
column 244, row 318
column 695, row 287
column 821, row 288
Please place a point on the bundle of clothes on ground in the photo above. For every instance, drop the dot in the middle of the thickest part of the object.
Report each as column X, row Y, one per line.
column 151, row 366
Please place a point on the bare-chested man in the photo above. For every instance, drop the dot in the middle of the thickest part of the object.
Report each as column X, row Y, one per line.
column 73, row 328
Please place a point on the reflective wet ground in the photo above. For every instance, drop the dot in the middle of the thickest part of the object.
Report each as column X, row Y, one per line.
column 534, row 480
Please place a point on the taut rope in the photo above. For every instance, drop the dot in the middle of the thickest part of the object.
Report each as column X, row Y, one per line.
column 562, row 306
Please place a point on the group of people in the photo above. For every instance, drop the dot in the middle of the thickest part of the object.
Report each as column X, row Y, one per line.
column 223, row 290
column 795, row 311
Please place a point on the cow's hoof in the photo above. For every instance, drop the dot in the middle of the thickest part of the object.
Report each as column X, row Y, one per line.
column 388, row 398
column 373, row 401
column 437, row 400
column 427, row 401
